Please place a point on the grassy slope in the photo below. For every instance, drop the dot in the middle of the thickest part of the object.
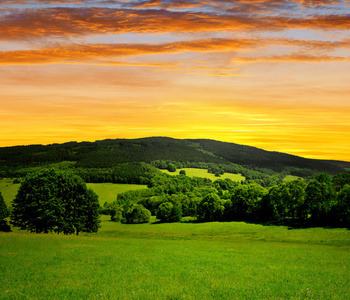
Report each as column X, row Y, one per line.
column 193, row 172
column 291, row 178
column 178, row 261
column 107, row 192
column 8, row 190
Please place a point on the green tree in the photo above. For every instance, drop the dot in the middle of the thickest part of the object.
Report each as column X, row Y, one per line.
column 116, row 212
column 211, row 208
column 245, row 202
column 340, row 180
column 167, row 212
column 286, row 200
column 164, row 211
column 171, row 167
column 56, row 201
column 3, row 214
column 341, row 210
column 182, row 172
column 319, row 199
column 137, row 214
column 293, row 195
column 272, row 207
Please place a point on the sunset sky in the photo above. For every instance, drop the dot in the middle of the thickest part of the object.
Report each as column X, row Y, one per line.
column 274, row 74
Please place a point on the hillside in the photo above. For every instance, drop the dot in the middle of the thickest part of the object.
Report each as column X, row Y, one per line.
column 109, row 153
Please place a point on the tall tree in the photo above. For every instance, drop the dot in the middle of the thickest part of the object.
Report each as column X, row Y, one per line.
column 55, row 201
column 341, row 210
column 319, row 198
column 211, row 208
column 3, row 214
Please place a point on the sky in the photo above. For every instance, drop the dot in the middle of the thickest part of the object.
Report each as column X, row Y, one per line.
column 272, row 74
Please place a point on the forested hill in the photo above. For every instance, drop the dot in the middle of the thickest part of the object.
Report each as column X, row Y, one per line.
column 109, row 153
column 255, row 157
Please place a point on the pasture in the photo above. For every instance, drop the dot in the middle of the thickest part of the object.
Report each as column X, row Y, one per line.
column 291, row 178
column 231, row 260
column 193, row 172
column 107, row 192
column 8, row 190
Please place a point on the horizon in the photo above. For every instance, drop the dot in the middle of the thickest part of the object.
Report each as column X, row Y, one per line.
column 271, row 74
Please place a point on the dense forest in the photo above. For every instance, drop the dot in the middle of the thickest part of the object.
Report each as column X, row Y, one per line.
column 18, row 161
column 323, row 201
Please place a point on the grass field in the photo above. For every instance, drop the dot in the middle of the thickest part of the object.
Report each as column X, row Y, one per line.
column 8, row 190
column 231, row 260
column 107, row 192
column 290, row 178
column 193, row 172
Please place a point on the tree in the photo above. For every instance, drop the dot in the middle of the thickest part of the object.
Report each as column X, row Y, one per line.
column 340, row 180
column 163, row 212
column 3, row 214
column 137, row 214
column 319, row 198
column 293, row 195
column 116, row 212
column 55, row 201
column 171, row 167
column 341, row 210
column 245, row 202
column 182, row 172
column 167, row 212
column 211, row 208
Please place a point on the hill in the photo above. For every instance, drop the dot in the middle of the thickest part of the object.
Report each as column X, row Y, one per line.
column 110, row 153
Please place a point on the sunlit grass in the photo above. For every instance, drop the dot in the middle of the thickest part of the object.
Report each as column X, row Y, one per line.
column 8, row 190
column 291, row 178
column 193, row 172
column 108, row 192
column 230, row 260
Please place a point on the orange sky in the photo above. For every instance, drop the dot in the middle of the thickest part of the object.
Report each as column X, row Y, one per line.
column 266, row 73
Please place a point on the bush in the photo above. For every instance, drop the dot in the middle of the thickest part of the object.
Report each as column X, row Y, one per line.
column 116, row 212
column 137, row 214
column 167, row 212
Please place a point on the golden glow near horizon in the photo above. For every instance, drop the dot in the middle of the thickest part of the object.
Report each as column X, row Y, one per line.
column 271, row 74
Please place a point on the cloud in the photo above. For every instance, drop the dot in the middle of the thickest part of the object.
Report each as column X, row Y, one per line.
column 293, row 58
column 60, row 22
column 103, row 54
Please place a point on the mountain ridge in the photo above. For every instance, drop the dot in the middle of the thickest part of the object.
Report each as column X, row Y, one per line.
column 109, row 152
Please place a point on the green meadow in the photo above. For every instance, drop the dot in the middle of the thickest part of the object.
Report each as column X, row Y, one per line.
column 107, row 192
column 193, row 172
column 8, row 190
column 291, row 178
column 228, row 260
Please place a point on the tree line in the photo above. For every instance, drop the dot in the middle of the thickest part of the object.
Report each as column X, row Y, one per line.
column 323, row 201
column 57, row 201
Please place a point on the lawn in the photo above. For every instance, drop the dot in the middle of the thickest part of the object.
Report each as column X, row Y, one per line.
column 229, row 260
column 193, row 172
